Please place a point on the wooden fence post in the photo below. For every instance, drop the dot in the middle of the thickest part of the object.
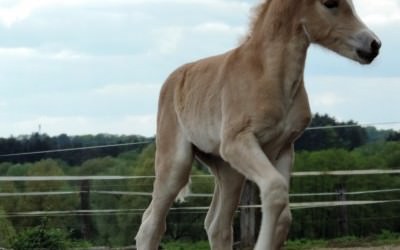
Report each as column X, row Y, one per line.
column 342, row 218
column 249, row 217
column 87, row 224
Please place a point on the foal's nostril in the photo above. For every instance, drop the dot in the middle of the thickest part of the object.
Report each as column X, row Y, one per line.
column 376, row 45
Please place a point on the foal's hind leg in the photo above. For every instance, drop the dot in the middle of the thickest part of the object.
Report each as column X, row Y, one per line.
column 284, row 166
column 228, row 187
column 174, row 157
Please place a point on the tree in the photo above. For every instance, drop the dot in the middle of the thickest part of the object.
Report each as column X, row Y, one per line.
column 47, row 203
column 324, row 138
column 4, row 168
column 8, row 203
column 43, row 142
column 394, row 136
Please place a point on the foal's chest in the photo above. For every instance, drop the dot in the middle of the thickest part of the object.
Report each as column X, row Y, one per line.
column 293, row 121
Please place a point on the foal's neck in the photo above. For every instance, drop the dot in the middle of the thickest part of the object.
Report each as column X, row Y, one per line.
column 280, row 45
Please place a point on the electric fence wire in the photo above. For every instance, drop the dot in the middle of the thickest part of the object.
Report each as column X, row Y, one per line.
column 195, row 195
column 204, row 209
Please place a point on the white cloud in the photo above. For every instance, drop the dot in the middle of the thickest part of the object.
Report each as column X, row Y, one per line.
column 132, row 90
column 363, row 99
column 79, row 125
column 26, row 53
column 18, row 52
column 219, row 27
column 168, row 39
column 3, row 104
column 327, row 99
column 23, row 9
column 140, row 125
column 379, row 12
column 66, row 55
column 374, row 12
column 51, row 125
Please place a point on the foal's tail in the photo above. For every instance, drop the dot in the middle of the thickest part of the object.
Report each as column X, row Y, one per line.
column 185, row 192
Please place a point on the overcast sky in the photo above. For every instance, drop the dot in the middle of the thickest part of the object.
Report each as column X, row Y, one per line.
column 96, row 66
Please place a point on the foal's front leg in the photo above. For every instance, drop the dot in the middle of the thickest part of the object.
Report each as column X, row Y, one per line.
column 244, row 153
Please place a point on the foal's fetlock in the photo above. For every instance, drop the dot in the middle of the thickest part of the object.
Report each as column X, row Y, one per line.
column 282, row 228
column 221, row 239
column 150, row 234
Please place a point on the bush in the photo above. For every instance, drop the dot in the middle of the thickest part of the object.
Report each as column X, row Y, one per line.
column 41, row 238
column 7, row 231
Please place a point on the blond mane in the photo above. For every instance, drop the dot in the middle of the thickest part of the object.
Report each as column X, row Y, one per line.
column 257, row 12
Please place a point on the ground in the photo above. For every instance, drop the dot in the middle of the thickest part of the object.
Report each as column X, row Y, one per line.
column 364, row 248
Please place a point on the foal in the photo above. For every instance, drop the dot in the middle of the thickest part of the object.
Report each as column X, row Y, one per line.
column 240, row 113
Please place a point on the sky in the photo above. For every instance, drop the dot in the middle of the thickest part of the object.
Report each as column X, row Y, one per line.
column 96, row 66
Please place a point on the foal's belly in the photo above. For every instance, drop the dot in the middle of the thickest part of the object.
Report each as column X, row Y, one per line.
column 202, row 133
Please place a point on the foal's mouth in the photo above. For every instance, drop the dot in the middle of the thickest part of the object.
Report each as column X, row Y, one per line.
column 368, row 53
column 366, row 56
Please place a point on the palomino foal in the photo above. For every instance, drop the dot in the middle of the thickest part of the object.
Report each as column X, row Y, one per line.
column 240, row 113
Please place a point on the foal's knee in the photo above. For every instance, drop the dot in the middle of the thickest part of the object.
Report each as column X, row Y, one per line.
column 275, row 193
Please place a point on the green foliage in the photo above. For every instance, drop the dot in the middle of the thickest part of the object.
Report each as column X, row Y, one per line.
column 394, row 136
column 382, row 239
column 7, row 231
column 46, row 203
column 323, row 222
column 43, row 142
column 4, row 168
column 41, row 238
column 346, row 137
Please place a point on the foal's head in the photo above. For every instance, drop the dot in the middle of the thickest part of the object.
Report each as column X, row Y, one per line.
column 335, row 25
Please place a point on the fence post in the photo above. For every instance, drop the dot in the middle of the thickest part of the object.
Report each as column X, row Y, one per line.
column 249, row 217
column 87, row 225
column 343, row 220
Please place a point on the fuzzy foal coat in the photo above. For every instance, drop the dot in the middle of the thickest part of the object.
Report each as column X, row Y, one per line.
column 240, row 113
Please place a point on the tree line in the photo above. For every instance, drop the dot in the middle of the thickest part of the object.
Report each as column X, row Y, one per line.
column 346, row 138
column 42, row 142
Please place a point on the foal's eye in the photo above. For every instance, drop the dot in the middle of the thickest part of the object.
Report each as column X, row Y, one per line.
column 331, row 4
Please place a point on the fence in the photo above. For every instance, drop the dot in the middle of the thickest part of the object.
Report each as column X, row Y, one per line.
column 249, row 208
column 293, row 205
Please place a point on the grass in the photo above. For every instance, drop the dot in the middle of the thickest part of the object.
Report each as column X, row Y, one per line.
column 385, row 238
column 186, row 245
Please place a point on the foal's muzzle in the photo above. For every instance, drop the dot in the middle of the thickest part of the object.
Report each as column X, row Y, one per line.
column 370, row 46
